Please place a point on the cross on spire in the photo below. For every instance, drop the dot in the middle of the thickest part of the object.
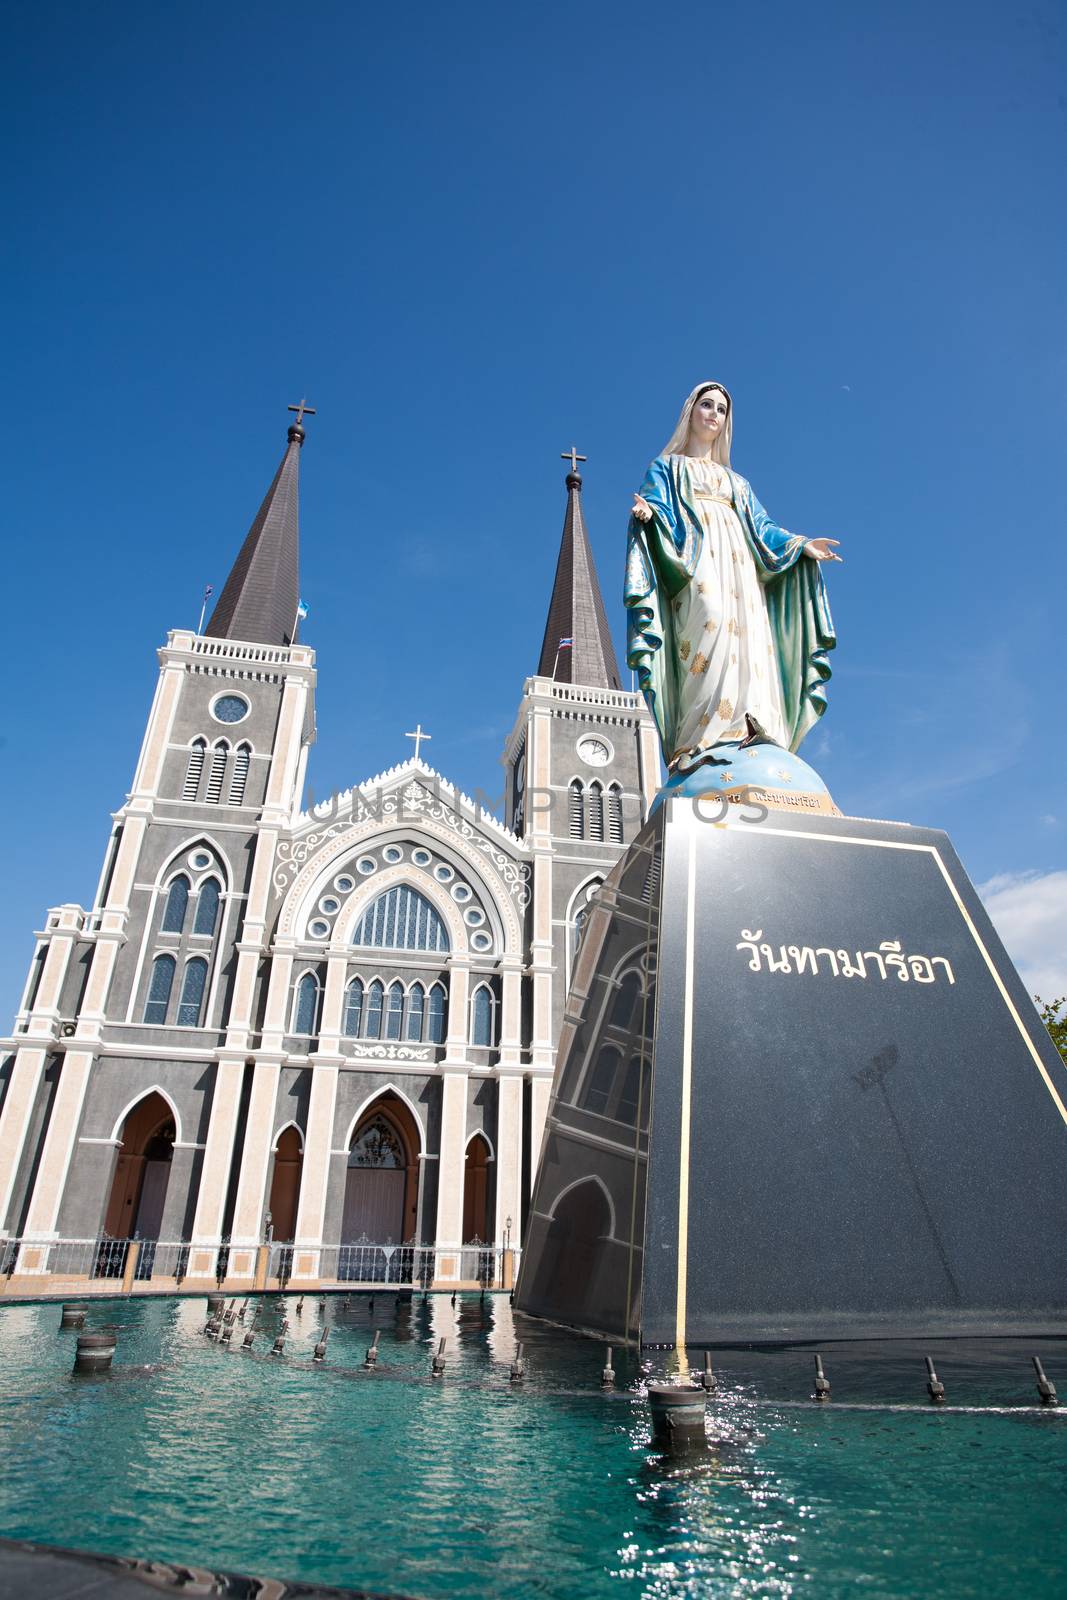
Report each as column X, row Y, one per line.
column 418, row 737
column 573, row 457
column 302, row 410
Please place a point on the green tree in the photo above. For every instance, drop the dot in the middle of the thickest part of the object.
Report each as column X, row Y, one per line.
column 1054, row 1016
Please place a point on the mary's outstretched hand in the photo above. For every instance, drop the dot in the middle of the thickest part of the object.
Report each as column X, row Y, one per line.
column 641, row 509
column 820, row 549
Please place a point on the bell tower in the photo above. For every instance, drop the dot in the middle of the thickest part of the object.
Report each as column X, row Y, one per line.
column 581, row 768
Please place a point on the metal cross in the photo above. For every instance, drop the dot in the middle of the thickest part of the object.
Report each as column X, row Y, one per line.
column 301, row 410
column 418, row 737
column 573, row 457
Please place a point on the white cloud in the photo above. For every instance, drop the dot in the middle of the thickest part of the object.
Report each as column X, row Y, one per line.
column 1029, row 911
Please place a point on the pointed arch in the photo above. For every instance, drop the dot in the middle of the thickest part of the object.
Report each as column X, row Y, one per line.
column 414, row 1012
column 594, row 812
column 194, row 987
column 208, row 899
column 576, row 808
column 219, row 757
column 197, row 841
column 365, row 1106
column 436, row 1013
column 160, row 987
column 352, row 1016
column 304, row 1021
column 578, row 1183
column 615, row 829
column 483, row 1017
column 241, row 762
column 143, row 1094
column 194, row 769
column 177, row 904
column 285, row 1126
column 402, row 918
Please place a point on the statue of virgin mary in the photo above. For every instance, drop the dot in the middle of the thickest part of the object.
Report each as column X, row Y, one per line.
column 729, row 626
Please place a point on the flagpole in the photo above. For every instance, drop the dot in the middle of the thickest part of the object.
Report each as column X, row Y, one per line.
column 203, row 607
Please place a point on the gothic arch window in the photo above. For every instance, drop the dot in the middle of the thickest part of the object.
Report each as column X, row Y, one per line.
column 401, row 919
column 633, row 1096
column 581, row 914
column 436, row 1006
column 176, row 906
column 159, row 987
column 394, row 1014
column 353, row 1013
column 207, row 907
column 576, row 809
column 241, row 763
column 483, row 1016
column 194, row 768
column 594, row 803
column 306, row 1005
column 414, row 1013
column 375, row 999
column 624, row 1006
column 601, row 1080
column 191, row 1003
column 218, row 772
column 615, row 813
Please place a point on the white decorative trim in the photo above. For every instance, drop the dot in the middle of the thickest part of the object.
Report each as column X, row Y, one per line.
column 376, row 1094
column 142, row 1094
column 590, row 1178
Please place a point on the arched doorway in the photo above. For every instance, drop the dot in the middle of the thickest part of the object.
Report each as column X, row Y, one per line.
column 477, row 1211
column 285, row 1184
column 142, row 1171
column 566, row 1276
column 382, row 1182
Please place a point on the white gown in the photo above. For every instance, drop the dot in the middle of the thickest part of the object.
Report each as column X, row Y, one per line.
column 727, row 665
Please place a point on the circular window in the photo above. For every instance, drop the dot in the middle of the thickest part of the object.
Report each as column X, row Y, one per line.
column 200, row 858
column 230, row 708
column 329, row 904
column 460, row 892
column 481, row 941
column 443, row 874
column 393, row 852
column 344, row 883
column 319, row 929
column 473, row 918
column 421, row 858
column 366, row 865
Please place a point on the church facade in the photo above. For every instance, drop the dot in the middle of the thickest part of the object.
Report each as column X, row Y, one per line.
column 334, row 1028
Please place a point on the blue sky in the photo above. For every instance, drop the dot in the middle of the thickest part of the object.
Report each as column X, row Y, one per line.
column 473, row 235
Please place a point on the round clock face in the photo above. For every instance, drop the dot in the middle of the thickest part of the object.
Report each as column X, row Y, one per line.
column 595, row 751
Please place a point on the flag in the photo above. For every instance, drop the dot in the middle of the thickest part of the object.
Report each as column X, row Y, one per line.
column 209, row 591
column 301, row 610
column 566, row 644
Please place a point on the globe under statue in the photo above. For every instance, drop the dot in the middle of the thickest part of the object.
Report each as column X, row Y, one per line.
column 729, row 626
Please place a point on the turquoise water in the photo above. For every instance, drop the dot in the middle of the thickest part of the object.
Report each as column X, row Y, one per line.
column 389, row 1481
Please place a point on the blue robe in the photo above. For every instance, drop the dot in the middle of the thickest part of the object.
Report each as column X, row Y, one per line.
column 660, row 561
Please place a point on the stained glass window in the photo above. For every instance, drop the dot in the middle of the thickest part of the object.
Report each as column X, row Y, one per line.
column 401, row 919
column 159, row 988
column 192, row 997
column 435, row 1017
column 176, row 906
column 394, row 1014
column 416, row 1007
column 307, row 995
column 207, row 907
column 353, row 1009
column 375, row 996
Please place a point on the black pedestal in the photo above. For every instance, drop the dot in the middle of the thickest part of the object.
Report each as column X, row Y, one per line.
column 801, row 1094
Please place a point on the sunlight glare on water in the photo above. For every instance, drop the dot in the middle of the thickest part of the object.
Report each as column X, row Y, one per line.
column 390, row 1481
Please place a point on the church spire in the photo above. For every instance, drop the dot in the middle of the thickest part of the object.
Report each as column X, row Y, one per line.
column 576, row 611
column 259, row 600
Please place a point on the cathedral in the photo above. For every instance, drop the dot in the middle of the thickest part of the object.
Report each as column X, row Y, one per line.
column 289, row 1044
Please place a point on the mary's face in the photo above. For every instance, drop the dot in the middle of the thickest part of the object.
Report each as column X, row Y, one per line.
column 707, row 419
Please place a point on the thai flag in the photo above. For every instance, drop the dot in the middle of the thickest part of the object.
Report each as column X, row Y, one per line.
column 566, row 644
